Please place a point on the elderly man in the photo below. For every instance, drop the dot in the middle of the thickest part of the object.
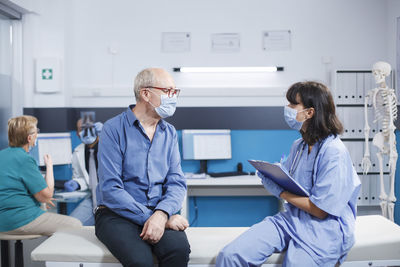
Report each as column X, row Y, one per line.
column 141, row 184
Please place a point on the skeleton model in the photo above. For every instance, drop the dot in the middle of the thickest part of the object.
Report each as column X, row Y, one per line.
column 384, row 102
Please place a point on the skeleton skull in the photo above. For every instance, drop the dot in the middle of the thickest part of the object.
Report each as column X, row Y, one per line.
column 381, row 70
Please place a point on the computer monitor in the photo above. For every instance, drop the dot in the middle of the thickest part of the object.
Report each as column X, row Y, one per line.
column 206, row 145
column 57, row 145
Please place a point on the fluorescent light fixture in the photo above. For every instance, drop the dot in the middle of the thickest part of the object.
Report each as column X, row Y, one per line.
column 227, row 69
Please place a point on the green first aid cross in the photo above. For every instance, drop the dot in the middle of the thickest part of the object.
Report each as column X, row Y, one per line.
column 47, row 74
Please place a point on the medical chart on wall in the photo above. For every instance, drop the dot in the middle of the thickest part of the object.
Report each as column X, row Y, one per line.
column 277, row 40
column 225, row 42
column 175, row 42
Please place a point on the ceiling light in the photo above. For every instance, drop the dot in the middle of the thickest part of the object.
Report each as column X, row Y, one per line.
column 226, row 69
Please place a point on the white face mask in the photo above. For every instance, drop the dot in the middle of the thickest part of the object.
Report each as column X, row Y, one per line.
column 290, row 118
column 167, row 106
column 34, row 144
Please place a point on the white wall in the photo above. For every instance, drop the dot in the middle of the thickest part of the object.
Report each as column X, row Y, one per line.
column 353, row 34
column 43, row 36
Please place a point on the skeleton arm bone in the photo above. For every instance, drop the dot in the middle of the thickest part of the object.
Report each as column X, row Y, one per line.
column 366, row 162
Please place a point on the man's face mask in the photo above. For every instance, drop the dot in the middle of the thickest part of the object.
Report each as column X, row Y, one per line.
column 167, row 107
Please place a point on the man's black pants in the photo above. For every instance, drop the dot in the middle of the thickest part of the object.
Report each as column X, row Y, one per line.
column 121, row 237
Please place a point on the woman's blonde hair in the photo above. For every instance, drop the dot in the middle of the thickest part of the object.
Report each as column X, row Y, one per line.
column 19, row 128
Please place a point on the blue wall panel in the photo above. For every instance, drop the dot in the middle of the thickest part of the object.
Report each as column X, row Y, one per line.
column 266, row 145
column 230, row 211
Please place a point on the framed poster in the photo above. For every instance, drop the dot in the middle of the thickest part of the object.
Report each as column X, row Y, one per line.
column 277, row 40
column 225, row 42
column 175, row 42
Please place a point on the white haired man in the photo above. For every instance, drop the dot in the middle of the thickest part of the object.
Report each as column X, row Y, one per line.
column 141, row 184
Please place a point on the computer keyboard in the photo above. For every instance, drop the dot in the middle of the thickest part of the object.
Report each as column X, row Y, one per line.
column 227, row 174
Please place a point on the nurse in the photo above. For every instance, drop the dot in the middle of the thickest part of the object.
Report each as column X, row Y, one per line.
column 317, row 230
column 23, row 188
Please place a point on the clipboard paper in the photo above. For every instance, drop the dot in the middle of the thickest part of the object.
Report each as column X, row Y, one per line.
column 280, row 176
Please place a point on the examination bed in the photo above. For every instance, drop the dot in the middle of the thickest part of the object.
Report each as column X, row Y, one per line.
column 377, row 244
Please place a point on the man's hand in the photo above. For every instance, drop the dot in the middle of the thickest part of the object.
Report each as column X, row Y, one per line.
column 177, row 223
column 153, row 228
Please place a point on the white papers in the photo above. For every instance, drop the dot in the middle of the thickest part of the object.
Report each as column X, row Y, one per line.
column 225, row 42
column 191, row 175
column 57, row 145
column 276, row 40
column 175, row 42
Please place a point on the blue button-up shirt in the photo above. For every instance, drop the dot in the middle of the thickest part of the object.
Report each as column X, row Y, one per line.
column 136, row 174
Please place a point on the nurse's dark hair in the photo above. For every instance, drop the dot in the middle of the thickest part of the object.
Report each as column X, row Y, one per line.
column 324, row 122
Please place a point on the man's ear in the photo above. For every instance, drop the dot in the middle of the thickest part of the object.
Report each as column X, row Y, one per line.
column 144, row 94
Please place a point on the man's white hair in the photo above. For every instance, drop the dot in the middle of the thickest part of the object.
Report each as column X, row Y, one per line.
column 144, row 78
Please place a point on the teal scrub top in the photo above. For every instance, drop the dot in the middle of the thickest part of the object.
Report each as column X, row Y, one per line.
column 20, row 179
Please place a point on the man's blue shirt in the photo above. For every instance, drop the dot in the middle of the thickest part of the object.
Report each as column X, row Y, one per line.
column 136, row 173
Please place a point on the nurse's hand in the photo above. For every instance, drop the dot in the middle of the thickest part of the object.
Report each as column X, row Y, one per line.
column 48, row 161
column 270, row 185
column 177, row 223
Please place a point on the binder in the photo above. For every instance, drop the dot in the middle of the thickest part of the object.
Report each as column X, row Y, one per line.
column 280, row 176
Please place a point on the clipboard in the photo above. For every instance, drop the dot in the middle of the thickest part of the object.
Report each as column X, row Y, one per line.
column 280, row 176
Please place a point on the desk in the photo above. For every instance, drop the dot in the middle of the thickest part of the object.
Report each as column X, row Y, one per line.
column 246, row 185
column 63, row 198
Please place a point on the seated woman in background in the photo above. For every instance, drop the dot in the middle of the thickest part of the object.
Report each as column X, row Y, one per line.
column 23, row 188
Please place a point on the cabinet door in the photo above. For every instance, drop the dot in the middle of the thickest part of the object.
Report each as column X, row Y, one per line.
column 359, row 96
column 363, row 198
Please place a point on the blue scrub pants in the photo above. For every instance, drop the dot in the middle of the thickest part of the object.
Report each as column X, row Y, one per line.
column 254, row 246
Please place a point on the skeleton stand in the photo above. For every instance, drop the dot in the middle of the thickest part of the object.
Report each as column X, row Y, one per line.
column 385, row 105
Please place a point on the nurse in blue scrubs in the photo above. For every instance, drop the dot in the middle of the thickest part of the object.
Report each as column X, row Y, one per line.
column 317, row 230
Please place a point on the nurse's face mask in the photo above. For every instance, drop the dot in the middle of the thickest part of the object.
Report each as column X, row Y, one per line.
column 290, row 118
column 33, row 139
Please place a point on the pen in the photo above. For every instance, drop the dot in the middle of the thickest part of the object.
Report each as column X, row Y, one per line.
column 283, row 159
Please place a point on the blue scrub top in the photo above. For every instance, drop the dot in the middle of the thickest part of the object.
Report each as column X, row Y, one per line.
column 20, row 179
column 334, row 187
